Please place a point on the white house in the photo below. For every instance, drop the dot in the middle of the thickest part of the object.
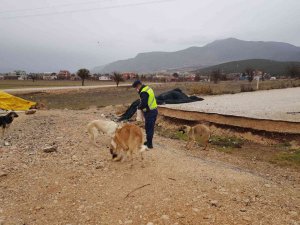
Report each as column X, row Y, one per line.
column 104, row 78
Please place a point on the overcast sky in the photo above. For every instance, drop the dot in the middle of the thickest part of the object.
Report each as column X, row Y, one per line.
column 49, row 35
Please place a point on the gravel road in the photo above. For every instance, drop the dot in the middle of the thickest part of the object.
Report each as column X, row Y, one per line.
column 279, row 104
column 79, row 184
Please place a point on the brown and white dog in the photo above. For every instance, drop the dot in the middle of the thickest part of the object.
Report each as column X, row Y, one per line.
column 200, row 133
column 127, row 140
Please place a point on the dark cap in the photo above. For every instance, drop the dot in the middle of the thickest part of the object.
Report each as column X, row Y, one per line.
column 136, row 83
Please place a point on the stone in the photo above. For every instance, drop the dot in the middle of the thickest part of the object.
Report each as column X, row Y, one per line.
column 247, row 202
column 243, row 210
column 50, row 149
column 293, row 213
column 128, row 222
column 38, row 207
column 179, row 215
column 214, row 203
column 267, row 185
column 150, row 223
column 207, row 217
column 137, row 206
column 246, row 218
column 6, row 143
column 195, row 210
column 100, row 165
column 3, row 174
column 165, row 217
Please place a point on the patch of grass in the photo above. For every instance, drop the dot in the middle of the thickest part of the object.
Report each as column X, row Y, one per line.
column 98, row 97
column 227, row 142
column 168, row 133
column 228, row 150
column 287, row 158
column 11, row 84
column 181, row 136
column 285, row 145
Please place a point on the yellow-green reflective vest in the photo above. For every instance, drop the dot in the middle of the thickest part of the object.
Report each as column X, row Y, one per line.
column 151, row 100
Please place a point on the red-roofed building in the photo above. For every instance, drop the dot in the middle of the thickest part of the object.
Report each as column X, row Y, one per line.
column 129, row 76
column 64, row 75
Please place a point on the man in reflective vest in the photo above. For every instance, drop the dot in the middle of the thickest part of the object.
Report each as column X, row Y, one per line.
column 149, row 106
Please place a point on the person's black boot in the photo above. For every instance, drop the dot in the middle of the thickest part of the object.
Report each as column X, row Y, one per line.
column 150, row 146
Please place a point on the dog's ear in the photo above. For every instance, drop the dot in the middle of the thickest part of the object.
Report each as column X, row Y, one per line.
column 186, row 128
column 181, row 129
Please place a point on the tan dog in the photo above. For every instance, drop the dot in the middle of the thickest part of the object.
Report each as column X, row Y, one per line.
column 127, row 140
column 199, row 133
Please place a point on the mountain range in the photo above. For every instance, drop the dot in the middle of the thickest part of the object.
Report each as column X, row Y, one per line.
column 217, row 52
column 268, row 66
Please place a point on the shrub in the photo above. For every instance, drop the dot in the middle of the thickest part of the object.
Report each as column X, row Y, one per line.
column 201, row 89
column 246, row 88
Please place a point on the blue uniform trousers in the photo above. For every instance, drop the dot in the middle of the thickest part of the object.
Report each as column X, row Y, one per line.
column 150, row 118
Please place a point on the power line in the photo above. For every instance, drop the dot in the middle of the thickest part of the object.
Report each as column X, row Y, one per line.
column 54, row 6
column 89, row 9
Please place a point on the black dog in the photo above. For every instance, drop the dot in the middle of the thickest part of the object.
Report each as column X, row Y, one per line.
column 5, row 121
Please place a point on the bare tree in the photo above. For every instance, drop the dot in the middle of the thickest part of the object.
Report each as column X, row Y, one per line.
column 250, row 73
column 176, row 75
column 117, row 77
column 215, row 76
column 33, row 77
column 83, row 74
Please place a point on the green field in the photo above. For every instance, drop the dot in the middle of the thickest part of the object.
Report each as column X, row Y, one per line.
column 97, row 97
column 13, row 84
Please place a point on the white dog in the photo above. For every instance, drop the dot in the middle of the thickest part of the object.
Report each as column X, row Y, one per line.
column 103, row 126
column 140, row 116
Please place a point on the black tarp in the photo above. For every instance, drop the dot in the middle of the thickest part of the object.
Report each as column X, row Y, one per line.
column 175, row 96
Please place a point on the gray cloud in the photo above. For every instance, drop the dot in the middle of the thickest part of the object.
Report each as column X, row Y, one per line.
column 70, row 40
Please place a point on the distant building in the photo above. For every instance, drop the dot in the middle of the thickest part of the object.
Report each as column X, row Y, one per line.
column 20, row 73
column 129, row 75
column 190, row 77
column 74, row 77
column 49, row 76
column 11, row 76
column 105, row 78
column 64, row 75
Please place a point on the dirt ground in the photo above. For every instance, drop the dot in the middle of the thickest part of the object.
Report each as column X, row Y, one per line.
column 79, row 184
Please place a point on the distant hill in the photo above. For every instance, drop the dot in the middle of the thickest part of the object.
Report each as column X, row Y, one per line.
column 268, row 66
column 217, row 52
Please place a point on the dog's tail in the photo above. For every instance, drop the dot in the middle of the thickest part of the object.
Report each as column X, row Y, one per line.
column 91, row 129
